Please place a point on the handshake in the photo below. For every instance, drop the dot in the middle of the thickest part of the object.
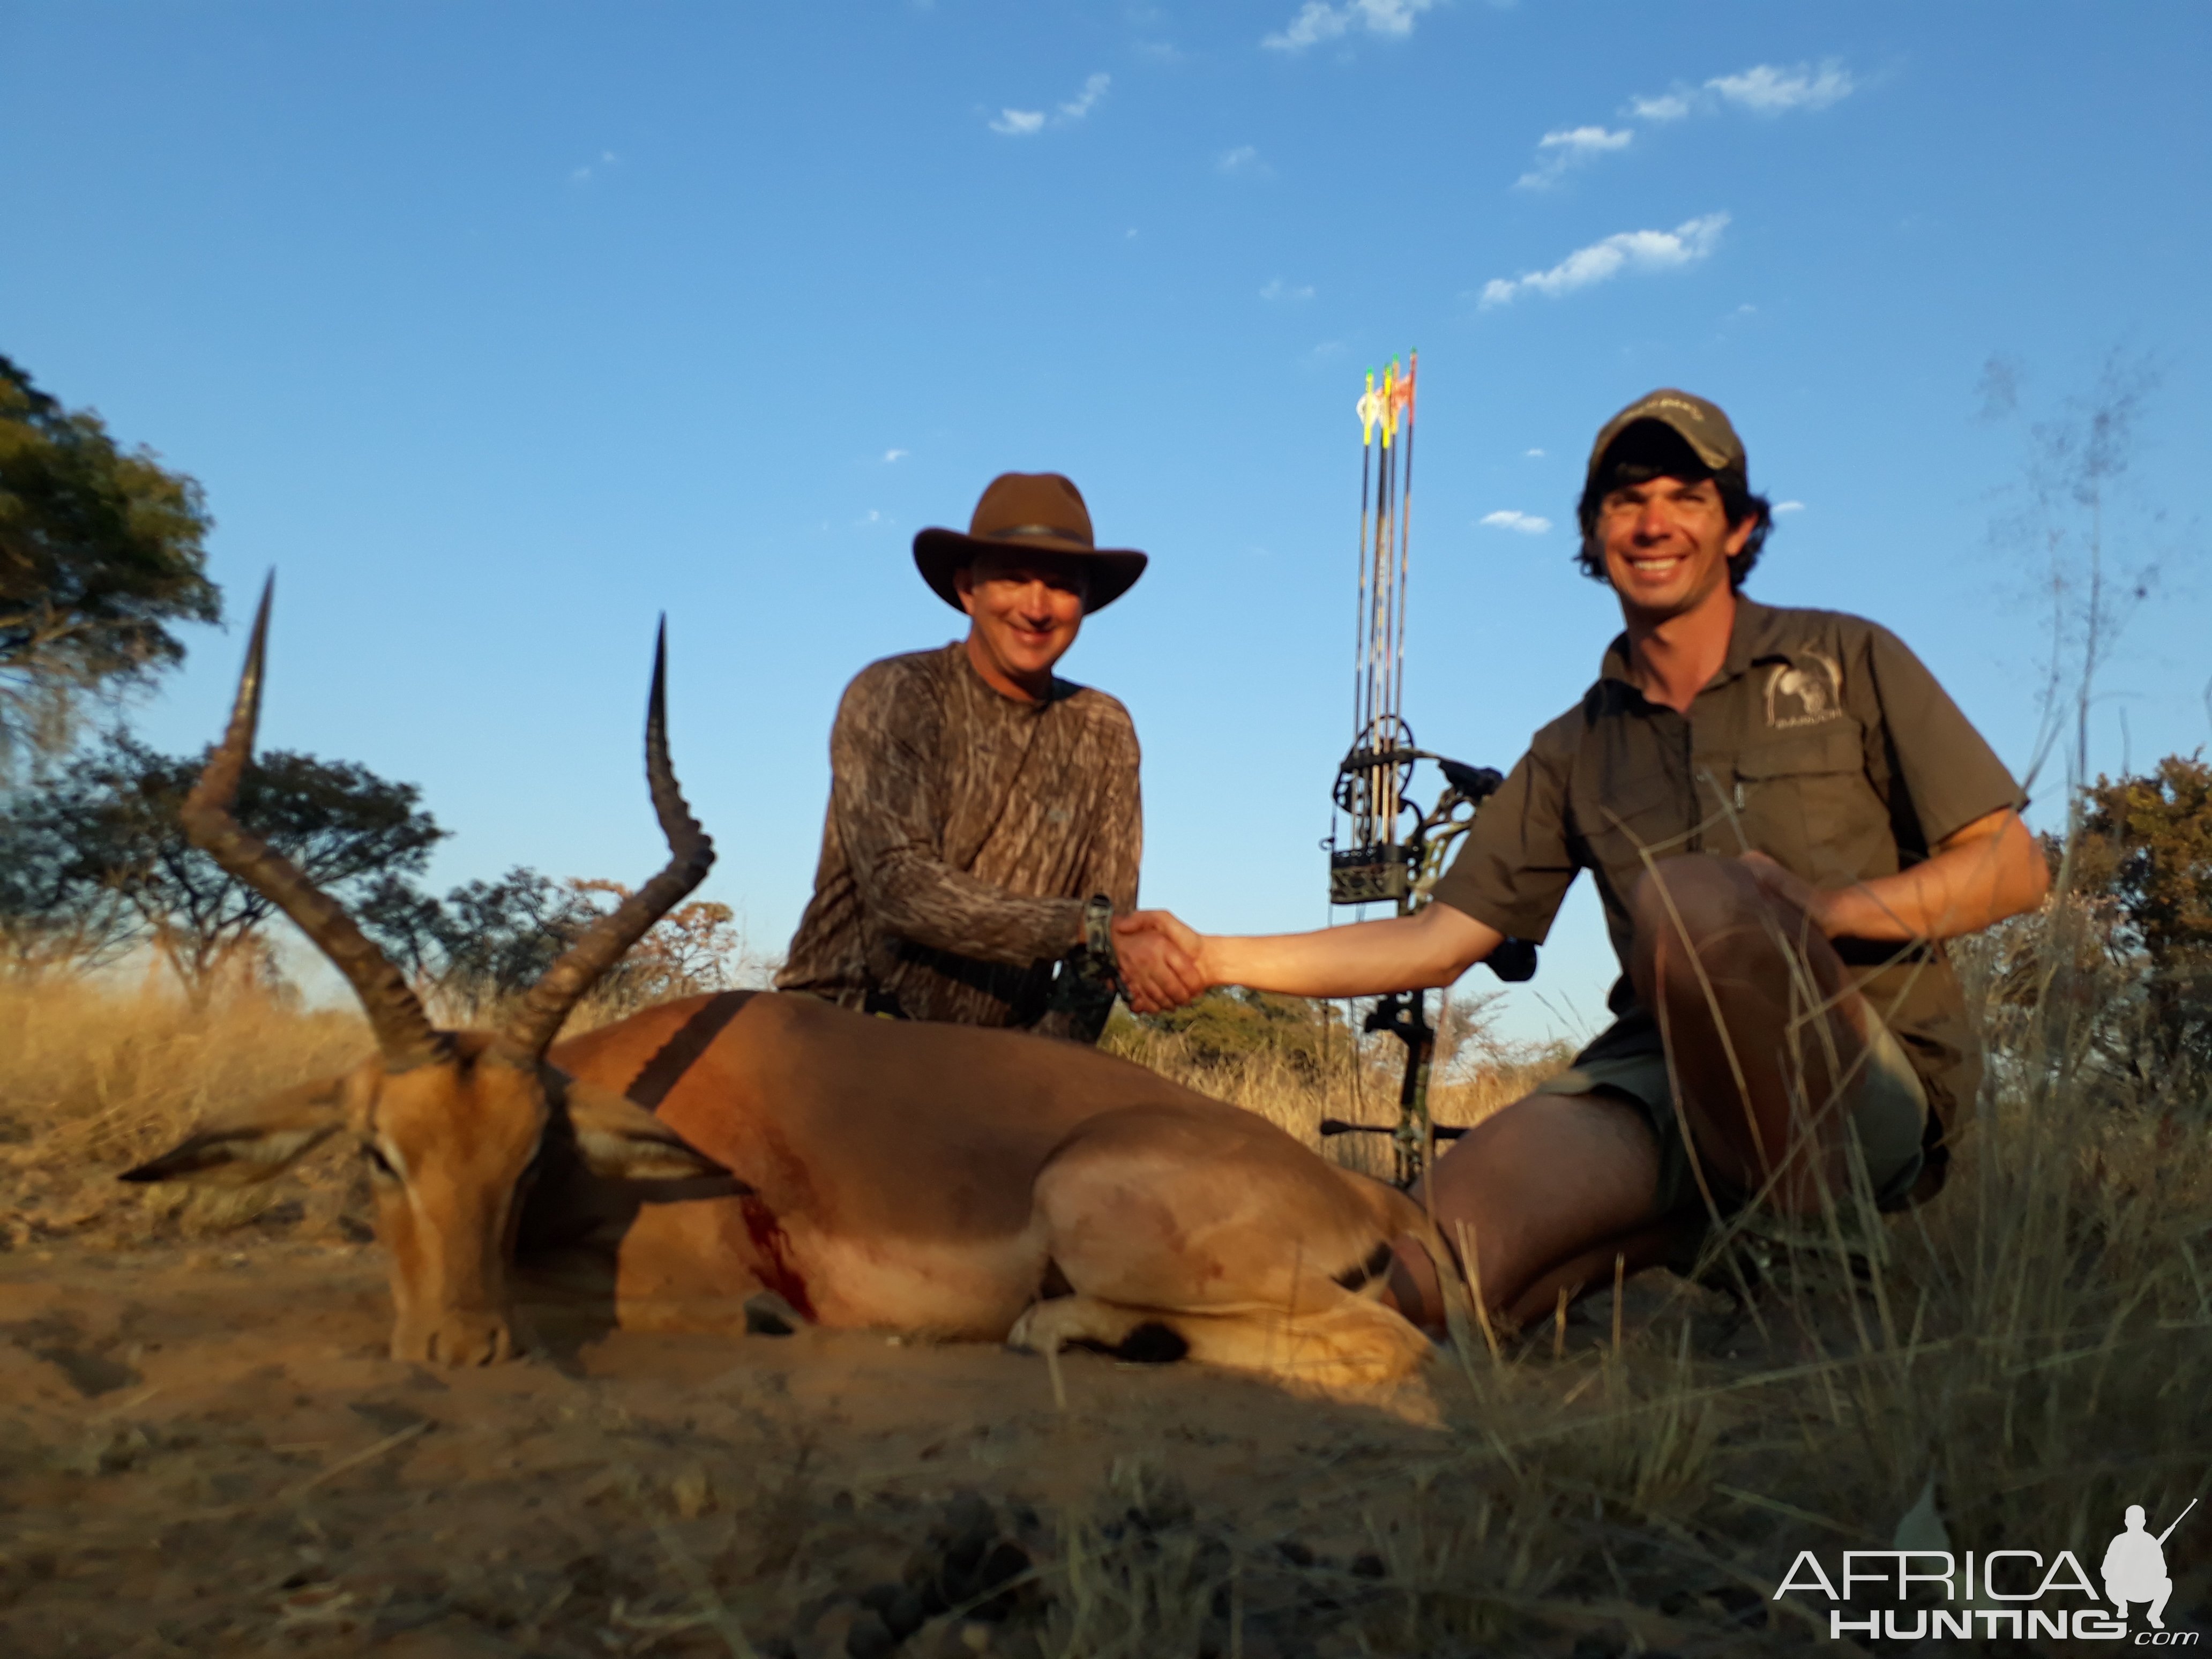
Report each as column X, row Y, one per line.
column 1162, row 961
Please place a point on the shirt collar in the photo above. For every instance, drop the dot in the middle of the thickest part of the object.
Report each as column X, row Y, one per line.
column 1754, row 635
column 991, row 698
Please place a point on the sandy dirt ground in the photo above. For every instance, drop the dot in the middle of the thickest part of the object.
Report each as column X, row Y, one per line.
column 209, row 1452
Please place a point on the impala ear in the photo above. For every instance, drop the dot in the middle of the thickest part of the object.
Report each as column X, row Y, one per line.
column 618, row 1139
column 252, row 1143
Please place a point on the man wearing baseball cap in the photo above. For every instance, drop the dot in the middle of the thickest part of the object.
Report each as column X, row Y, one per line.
column 1785, row 816
column 984, row 824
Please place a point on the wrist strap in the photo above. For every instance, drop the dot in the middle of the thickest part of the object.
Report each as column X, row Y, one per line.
column 1098, row 934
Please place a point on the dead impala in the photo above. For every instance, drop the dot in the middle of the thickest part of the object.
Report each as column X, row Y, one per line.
column 931, row 1179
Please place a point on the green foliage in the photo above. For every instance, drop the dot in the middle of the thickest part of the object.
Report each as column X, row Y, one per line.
column 2146, row 847
column 100, row 551
column 487, row 942
column 98, row 857
column 1227, row 1026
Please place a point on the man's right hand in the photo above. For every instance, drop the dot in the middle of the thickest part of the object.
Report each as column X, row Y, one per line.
column 1158, row 959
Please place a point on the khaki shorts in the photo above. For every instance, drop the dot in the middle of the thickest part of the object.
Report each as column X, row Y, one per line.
column 1887, row 1108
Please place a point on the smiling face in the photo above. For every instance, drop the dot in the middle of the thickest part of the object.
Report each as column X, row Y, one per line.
column 1024, row 610
column 1667, row 542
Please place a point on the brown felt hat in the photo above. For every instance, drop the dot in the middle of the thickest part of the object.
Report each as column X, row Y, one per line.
column 1042, row 511
column 1693, row 420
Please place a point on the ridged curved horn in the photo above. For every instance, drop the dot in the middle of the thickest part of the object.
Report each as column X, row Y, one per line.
column 692, row 854
column 403, row 1032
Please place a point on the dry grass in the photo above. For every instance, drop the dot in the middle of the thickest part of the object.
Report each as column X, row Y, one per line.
column 99, row 1075
column 1357, row 1089
column 2037, row 1345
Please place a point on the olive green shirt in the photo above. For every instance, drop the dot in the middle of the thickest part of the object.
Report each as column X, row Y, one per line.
column 1822, row 742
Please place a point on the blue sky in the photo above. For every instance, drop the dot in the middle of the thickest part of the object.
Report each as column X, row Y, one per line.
column 500, row 329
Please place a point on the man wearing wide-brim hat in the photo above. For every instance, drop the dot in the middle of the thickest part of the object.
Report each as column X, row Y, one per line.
column 984, row 823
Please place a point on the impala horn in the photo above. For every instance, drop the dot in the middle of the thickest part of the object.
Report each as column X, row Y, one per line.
column 537, row 1021
column 403, row 1032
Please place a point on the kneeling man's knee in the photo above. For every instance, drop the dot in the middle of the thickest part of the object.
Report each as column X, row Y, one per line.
column 1698, row 896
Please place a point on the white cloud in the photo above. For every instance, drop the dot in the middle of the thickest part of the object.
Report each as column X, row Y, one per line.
column 1279, row 289
column 1630, row 249
column 1527, row 523
column 890, row 455
column 1789, row 507
column 1242, row 162
column 591, row 170
column 1668, row 107
column 1083, row 101
column 1028, row 122
column 1763, row 89
column 1570, row 146
column 1766, row 90
column 1317, row 20
column 1534, row 454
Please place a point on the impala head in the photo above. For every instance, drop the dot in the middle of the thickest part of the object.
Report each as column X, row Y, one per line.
column 452, row 1125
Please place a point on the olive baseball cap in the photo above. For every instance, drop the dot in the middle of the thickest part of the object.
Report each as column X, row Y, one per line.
column 1699, row 423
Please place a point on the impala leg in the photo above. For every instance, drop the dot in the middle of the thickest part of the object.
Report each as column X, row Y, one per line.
column 1226, row 1238
column 1068, row 1322
column 1345, row 1343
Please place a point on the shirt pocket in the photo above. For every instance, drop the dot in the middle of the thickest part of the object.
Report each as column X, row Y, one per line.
column 1805, row 803
column 1621, row 820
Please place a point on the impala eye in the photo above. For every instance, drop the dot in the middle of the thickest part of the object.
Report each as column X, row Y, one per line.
column 377, row 1161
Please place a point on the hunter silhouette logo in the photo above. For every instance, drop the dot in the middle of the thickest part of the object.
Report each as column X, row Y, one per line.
column 2135, row 1565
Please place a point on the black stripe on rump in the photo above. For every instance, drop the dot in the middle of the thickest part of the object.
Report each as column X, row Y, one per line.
column 1376, row 1263
column 681, row 1052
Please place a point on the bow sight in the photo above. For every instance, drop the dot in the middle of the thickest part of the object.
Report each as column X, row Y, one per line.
column 1382, row 860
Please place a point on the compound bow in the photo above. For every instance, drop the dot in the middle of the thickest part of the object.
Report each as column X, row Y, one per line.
column 1382, row 860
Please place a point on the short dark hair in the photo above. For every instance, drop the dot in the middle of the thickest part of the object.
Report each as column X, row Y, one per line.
column 1650, row 450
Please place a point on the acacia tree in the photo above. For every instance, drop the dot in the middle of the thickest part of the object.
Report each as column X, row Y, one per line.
column 2146, row 847
column 100, row 550
column 107, row 857
column 49, row 918
column 485, row 942
column 488, row 941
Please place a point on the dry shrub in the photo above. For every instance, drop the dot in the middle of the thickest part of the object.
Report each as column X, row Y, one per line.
column 99, row 1075
column 1358, row 1088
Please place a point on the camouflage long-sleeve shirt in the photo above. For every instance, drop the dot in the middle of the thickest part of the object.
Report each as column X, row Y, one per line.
column 965, row 830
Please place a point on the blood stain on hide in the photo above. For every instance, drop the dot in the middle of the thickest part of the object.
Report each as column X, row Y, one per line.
column 773, row 1246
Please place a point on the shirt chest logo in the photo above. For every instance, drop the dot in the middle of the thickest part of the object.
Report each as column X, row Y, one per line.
column 1806, row 690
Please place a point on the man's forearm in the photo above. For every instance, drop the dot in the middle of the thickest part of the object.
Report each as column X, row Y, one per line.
column 1367, row 959
column 1990, row 869
column 947, row 910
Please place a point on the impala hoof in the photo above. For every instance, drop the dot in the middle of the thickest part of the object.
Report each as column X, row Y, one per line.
column 457, row 1341
column 767, row 1313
